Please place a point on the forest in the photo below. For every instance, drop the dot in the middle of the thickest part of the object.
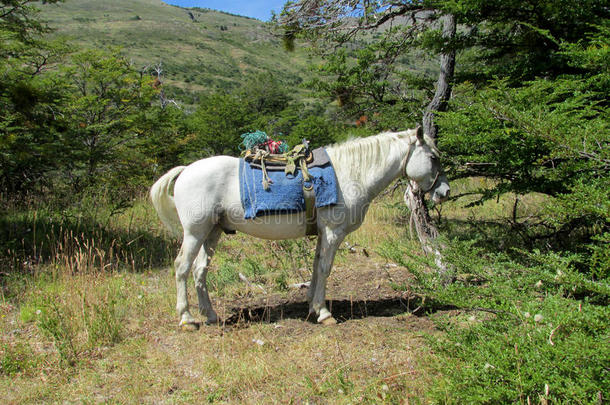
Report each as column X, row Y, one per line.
column 516, row 94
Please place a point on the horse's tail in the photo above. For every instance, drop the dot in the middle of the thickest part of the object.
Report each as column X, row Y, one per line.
column 163, row 200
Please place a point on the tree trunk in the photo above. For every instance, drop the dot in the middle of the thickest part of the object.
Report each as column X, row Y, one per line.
column 426, row 231
column 445, row 77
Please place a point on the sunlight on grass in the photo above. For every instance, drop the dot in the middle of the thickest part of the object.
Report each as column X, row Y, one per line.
column 87, row 329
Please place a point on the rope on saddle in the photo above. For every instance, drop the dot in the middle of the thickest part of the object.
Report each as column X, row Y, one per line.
column 262, row 155
column 299, row 155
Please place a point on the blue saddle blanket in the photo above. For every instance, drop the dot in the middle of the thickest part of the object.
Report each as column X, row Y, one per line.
column 285, row 194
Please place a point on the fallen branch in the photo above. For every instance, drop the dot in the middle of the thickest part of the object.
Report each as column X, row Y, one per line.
column 551, row 335
column 251, row 285
column 298, row 286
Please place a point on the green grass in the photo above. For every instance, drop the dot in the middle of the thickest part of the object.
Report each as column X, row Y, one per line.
column 517, row 326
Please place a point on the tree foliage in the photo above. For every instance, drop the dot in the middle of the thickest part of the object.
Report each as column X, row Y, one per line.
column 105, row 114
column 28, row 97
column 263, row 103
column 530, row 109
column 520, row 40
column 546, row 135
column 371, row 53
column 73, row 120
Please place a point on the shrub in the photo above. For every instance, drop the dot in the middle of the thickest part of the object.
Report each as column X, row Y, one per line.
column 532, row 328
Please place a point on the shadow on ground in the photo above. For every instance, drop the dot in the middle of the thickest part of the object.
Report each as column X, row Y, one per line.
column 342, row 310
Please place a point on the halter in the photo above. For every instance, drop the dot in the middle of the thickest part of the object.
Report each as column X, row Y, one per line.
column 403, row 167
column 438, row 173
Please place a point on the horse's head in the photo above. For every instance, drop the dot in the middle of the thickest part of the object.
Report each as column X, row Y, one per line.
column 424, row 168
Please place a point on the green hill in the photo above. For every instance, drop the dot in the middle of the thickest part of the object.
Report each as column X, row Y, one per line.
column 200, row 49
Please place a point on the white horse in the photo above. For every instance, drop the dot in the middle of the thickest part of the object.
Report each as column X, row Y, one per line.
column 206, row 202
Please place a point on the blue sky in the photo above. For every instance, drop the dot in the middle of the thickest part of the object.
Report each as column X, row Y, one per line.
column 260, row 9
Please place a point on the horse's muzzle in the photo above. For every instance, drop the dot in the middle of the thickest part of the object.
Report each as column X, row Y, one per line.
column 441, row 193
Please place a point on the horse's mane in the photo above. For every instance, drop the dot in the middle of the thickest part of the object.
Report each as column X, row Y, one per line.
column 362, row 156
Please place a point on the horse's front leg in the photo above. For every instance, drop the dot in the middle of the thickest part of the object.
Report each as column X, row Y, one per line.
column 328, row 243
column 314, row 276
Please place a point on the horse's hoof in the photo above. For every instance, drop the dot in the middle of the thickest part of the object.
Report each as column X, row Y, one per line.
column 190, row 326
column 211, row 322
column 326, row 317
column 329, row 321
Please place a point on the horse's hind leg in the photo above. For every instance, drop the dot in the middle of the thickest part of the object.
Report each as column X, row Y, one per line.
column 200, row 271
column 183, row 263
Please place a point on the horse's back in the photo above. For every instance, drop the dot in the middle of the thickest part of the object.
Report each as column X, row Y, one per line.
column 205, row 187
column 207, row 176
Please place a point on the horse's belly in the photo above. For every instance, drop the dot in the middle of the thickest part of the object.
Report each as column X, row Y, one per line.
column 274, row 227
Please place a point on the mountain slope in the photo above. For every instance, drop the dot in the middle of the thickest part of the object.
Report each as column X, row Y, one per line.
column 200, row 49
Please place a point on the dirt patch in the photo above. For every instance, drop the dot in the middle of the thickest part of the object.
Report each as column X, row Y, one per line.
column 364, row 289
column 267, row 350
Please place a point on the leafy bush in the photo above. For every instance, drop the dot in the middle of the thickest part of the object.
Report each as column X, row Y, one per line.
column 561, row 358
column 549, row 136
column 316, row 129
column 530, row 330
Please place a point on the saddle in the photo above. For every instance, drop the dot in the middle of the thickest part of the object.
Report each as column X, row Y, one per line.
column 300, row 156
column 281, row 161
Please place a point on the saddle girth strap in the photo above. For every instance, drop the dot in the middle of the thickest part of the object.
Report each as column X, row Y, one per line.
column 311, row 223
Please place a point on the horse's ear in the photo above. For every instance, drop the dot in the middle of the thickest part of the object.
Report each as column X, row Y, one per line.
column 419, row 133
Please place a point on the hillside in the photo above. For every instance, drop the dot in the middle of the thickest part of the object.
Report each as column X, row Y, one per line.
column 200, row 49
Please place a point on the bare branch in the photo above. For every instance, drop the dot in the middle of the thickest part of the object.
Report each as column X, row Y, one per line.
column 346, row 18
column 157, row 72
